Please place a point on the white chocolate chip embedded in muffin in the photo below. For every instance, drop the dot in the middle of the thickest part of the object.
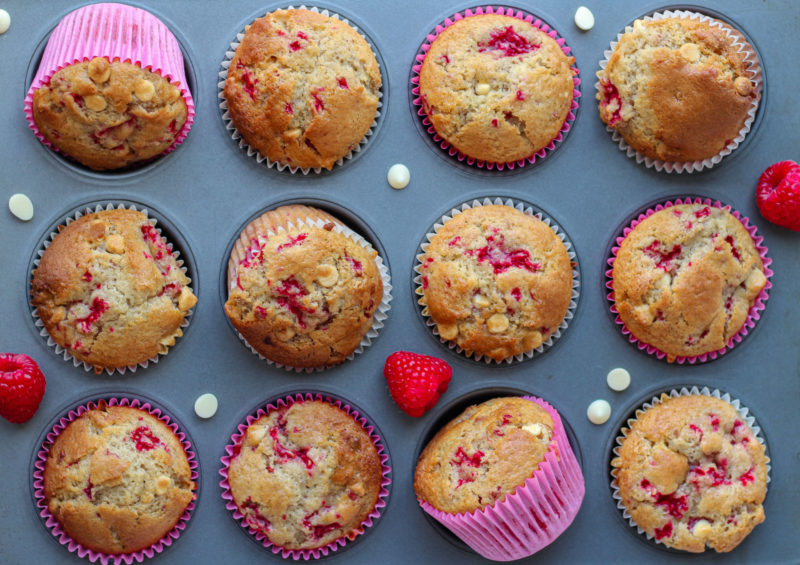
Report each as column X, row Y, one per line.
column 99, row 70
column 162, row 484
column 482, row 88
column 480, row 301
column 286, row 334
column 95, row 103
column 186, row 300
column 115, row 244
column 144, row 90
column 743, row 86
column 448, row 331
column 701, row 529
column 293, row 133
column 690, row 52
column 327, row 275
column 497, row 323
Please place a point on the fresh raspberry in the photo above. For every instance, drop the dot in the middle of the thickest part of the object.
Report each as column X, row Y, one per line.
column 21, row 387
column 416, row 381
column 778, row 194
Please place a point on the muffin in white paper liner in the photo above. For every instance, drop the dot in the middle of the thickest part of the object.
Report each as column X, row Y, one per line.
column 743, row 411
column 526, row 209
column 756, row 76
column 40, row 327
column 378, row 318
column 237, row 136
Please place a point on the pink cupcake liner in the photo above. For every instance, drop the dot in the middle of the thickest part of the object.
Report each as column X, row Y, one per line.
column 113, row 31
column 534, row 515
column 755, row 310
column 426, row 122
column 55, row 527
column 287, row 401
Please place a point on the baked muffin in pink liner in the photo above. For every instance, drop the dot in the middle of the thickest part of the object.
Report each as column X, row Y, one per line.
column 118, row 33
column 510, row 43
column 535, row 514
column 305, row 462
column 148, row 441
column 693, row 297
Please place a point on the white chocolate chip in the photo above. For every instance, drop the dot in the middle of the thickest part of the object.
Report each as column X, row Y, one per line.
column 482, row 88
column 99, row 70
column 21, row 206
column 163, row 482
column 95, row 103
column 206, row 405
column 293, row 133
column 618, row 379
column 584, row 18
column 115, row 244
column 538, row 430
column 144, row 90
column 327, row 275
column 480, row 301
column 599, row 412
column 5, row 21
column 690, row 52
column 448, row 331
column 701, row 529
column 497, row 323
column 398, row 176
column 743, row 86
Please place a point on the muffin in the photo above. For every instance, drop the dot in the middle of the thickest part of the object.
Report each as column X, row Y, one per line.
column 496, row 281
column 302, row 88
column 302, row 292
column 305, row 475
column 117, row 479
column 110, row 91
column 109, row 290
column 677, row 89
column 685, row 279
column 496, row 87
column 691, row 473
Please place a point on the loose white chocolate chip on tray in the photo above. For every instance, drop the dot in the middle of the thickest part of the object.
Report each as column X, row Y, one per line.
column 21, row 206
column 618, row 379
column 398, row 176
column 5, row 21
column 584, row 18
column 206, row 405
column 599, row 412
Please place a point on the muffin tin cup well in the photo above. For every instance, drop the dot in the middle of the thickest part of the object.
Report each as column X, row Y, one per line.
column 58, row 424
column 169, row 233
column 633, row 412
column 755, row 310
column 286, row 400
column 527, row 208
column 444, row 148
column 743, row 44
column 362, row 235
column 383, row 91
column 536, row 513
column 163, row 54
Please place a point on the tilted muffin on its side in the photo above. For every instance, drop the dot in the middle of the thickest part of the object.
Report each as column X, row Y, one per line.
column 496, row 281
column 691, row 473
column 109, row 290
column 305, row 475
column 496, row 87
column 685, row 279
column 676, row 89
column 302, row 88
column 109, row 115
column 305, row 296
column 117, row 479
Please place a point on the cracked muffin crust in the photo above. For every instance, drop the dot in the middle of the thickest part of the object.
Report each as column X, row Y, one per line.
column 302, row 88
column 305, row 296
column 496, row 281
column 109, row 115
column 483, row 455
column 676, row 89
column 109, row 290
column 305, row 475
column 496, row 87
column 691, row 473
column 117, row 479
column 685, row 279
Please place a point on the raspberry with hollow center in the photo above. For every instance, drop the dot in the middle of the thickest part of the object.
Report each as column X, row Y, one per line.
column 778, row 194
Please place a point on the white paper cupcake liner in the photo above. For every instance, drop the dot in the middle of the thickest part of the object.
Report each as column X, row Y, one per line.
column 251, row 152
column 531, row 211
column 743, row 411
column 40, row 327
column 381, row 312
column 756, row 76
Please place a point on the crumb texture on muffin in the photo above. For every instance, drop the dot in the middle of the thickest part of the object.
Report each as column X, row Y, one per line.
column 117, row 479
column 496, row 87
column 685, row 279
column 109, row 290
column 302, row 88
column 496, row 281
column 305, row 475
column 691, row 473
column 676, row 89
column 483, row 455
column 109, row 115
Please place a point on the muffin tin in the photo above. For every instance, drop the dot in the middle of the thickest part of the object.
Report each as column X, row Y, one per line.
column 208, row 186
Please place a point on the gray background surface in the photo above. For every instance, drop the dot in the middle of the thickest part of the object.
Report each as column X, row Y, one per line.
column 209, row 187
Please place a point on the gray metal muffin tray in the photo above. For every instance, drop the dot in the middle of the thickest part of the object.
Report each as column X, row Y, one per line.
column 208, row 188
